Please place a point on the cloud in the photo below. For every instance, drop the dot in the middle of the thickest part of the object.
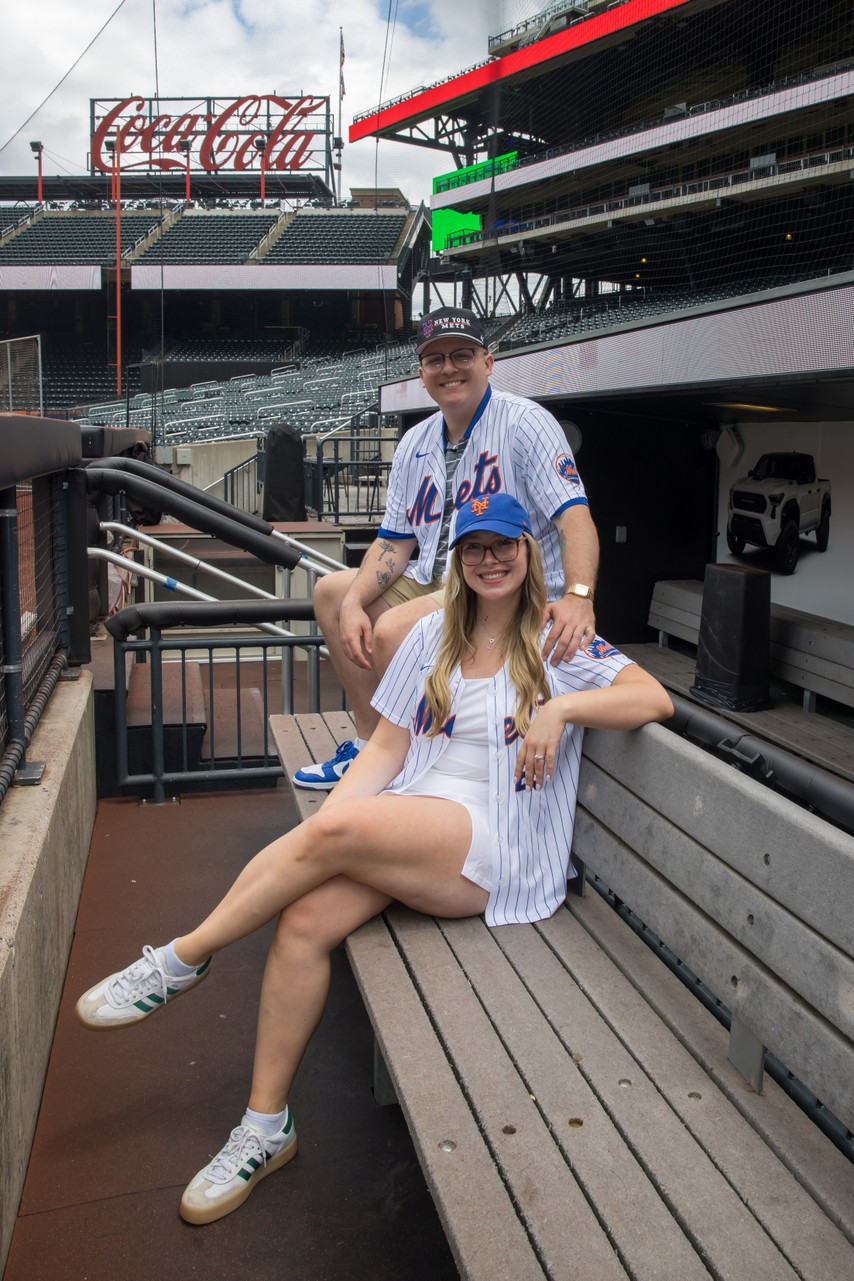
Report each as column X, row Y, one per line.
column 228, row 48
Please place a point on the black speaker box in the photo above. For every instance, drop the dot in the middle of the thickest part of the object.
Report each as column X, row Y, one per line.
column 733, row 652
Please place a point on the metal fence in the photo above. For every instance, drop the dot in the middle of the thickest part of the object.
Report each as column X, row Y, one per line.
column 195, row 712
column 34, row 613
column 21, row 376
column 348, row 475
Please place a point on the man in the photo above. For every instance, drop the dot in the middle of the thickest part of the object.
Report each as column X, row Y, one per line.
column 480, row 442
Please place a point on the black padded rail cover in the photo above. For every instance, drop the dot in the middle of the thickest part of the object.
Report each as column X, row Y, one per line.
column 204, row 518
column 203, row 613
column 157, row 476
column 31, row 447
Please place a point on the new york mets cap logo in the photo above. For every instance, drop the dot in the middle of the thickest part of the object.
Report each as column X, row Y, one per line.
column 566, row 468
column 449, row 322
column 494, row 514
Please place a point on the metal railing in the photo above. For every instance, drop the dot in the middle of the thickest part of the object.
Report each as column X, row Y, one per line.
column 348, row 475
column 196, row 709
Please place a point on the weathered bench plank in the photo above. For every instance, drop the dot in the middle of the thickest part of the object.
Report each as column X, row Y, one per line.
column 545, row 1193
column 817, row 1167
column 456, row 1163
column 650, row 1101
column 707, row 799
column 780, row 1193
column 640, row 1221
column 804, row 959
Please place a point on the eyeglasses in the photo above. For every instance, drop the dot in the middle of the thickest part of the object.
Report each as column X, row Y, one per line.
column 462, row 359
column 503, row 549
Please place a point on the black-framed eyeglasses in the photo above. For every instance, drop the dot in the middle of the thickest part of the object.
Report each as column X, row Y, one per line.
column 503, row 549
column 462, row 359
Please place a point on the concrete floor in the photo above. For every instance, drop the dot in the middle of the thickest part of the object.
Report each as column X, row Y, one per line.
column 128, row 1117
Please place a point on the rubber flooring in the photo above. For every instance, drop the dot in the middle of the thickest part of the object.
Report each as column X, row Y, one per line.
column 128, row 1117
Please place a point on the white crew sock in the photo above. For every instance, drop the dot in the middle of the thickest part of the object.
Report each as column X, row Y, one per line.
column 268, row 1122
column 360, row 743
column 173, row 963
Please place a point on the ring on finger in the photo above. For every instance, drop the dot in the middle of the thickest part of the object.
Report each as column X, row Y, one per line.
column 539, row 758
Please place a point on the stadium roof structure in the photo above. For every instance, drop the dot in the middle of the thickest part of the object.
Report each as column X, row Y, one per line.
column 224, row 185
column 460, row 114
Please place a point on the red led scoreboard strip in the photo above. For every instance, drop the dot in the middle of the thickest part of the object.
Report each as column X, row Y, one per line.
column 541, row 51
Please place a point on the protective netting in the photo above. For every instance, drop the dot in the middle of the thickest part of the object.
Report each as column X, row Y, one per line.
column 703, row 152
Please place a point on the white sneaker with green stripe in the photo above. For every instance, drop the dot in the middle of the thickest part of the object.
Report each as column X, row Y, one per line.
column 227, row 1180
column 134, row 993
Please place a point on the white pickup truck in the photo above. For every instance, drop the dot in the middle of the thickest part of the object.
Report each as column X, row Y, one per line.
column 777, row 501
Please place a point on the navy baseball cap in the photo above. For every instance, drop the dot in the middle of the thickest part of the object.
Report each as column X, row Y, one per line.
column 491, row 514
column 449, row 322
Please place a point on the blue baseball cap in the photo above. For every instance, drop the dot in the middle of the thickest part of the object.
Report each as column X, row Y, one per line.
column 492, row 514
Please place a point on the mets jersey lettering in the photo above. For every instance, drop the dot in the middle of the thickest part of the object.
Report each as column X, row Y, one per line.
column 423, row 720
column 514, row 447
column 426, row 509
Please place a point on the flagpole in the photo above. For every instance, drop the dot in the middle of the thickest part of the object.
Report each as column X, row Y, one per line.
column 340, row 134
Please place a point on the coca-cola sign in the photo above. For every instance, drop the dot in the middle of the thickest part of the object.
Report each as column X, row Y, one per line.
column 232, row 134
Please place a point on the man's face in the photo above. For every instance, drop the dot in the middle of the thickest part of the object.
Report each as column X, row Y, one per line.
column 459, row 387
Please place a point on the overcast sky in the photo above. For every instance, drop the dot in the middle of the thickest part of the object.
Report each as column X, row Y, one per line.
column 231, row 48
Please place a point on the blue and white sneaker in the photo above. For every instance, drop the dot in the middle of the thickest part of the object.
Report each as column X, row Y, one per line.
column 135, row 992
column 227, row 1180
column 323, row 777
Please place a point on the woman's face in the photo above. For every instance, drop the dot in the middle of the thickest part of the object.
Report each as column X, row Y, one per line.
column 494, row 579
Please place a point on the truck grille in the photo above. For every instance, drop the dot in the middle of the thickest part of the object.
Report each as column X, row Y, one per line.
column 748, row 502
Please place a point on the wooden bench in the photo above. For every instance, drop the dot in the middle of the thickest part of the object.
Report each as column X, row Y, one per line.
column 815, row 654
column 572, row 1103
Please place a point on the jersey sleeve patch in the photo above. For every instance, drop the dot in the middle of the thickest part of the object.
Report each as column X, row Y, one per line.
column 599, row 649
column 566, row 468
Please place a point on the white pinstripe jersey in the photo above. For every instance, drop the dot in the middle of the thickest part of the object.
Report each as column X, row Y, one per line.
column 531, row 830
column 515, row 446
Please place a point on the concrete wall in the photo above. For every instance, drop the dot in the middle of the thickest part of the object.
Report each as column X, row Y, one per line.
column 44, row 844
column 206, row 463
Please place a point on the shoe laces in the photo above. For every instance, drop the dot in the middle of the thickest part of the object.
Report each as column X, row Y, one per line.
column 345, row 750
column 144, row 975
column 243, row 1142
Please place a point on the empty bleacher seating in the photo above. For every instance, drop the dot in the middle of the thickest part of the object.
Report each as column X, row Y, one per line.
column 338, row 236
column 210, row 237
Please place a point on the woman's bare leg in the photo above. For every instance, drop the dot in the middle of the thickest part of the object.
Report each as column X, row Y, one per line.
column 296, row 981
column 410, row 848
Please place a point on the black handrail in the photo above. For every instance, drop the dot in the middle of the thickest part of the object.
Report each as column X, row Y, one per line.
column 157, row 476
column 826, row 794
column 206, row 518
column 201, row 613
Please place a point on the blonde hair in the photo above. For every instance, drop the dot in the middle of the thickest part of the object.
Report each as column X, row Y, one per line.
column 522, row 642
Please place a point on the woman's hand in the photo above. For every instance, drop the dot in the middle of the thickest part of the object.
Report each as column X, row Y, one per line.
column 537, row 751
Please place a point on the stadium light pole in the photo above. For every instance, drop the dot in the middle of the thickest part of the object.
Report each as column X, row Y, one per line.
column 115, row 147
column 186, row 146
column 261, row 145
column 36, row 148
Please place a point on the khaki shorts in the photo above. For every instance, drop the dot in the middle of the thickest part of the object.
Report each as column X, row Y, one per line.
column 405, row 589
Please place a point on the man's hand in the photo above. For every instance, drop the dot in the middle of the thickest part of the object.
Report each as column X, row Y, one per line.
column 572, row 623
column 356, row 633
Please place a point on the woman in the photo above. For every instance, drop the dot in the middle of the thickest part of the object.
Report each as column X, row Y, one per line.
column 461, row 805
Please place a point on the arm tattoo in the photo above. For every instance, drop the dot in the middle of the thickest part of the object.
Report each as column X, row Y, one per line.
column 383, row 580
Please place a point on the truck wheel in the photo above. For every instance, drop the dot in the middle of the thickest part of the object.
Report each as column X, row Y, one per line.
column 822, row 530
column 787, row 548
column 736, row 545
